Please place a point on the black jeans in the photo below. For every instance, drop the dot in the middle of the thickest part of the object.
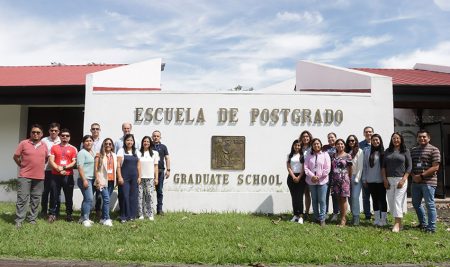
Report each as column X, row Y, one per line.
column 66, row 183
column 46, row 194
column 378, row 193
column 297, row 191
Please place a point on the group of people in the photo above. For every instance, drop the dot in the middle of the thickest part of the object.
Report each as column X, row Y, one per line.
column 46, row 165
column 345, row 168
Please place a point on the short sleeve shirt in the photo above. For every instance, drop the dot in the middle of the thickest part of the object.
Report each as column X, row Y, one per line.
column 163, row 152
column 86, row 161
column 148, row 164
column 422, row 159
column 33, row 157
column 64, row 155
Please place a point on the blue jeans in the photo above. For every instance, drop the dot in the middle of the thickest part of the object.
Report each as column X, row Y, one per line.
column 354, row 197
column 104, row 192
column 88, row 197
column 426, row 192
column 159, row 190
column 318, row 199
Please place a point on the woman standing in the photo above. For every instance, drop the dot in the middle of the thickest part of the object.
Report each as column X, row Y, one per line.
column 85, row 163
column 331, row 150
column 149, row 168
column 397, row 165
column 373, row 160
column 305, row 143
column 352, row 147
column 129, row 177
column 317, row 167
column 341, row 165
column 105, row 175
column 295, row 180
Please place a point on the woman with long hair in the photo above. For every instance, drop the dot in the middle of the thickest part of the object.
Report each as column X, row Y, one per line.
column 317, row 167
column 295, row 180
column 330, row 148
column 105, row 176
column 129, row 177
column 305, row 143
column 85, row 163
column 397, row 166
column 352, row 147
column 149, row 168
column 341, row 165
column 373, row 160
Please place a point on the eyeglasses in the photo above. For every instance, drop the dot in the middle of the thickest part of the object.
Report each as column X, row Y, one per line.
column 108, row 144
column 54, row 131
column 65, row 135
column 36, row 132
column 351, row 141
column 95, row 129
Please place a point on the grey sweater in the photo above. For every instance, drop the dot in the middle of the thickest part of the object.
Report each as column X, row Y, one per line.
column 371, row 175
column 396, row 163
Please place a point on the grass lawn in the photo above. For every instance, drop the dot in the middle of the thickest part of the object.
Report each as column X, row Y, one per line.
column 231, row 238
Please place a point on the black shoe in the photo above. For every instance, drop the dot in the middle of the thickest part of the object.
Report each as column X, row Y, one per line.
column 69, row 218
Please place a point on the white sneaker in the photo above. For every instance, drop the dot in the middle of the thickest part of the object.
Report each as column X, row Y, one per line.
column 334, row 218
column 300, row 220
column 108, row 223
column 141, row 217
column 87, row 223
column 294, row 219
column 102, row 221
column 151, row 218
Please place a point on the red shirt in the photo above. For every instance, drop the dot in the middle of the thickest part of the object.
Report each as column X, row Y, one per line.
column 32, row 159
column 64, row 155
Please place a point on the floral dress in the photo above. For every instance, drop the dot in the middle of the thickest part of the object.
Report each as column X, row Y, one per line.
column 340, row 180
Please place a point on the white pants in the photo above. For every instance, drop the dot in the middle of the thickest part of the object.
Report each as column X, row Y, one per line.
column 396, row 196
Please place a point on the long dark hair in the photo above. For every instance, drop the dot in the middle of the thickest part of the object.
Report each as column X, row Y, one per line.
column 402, row 143
column 301, row 142
column 149, row 149
column 355, row 148
column 133, row 148
column 373, row 149
column 102, row 151
column 296, row 141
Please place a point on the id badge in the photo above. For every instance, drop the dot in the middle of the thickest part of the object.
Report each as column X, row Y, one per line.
column 419, row 164
column 110, row 171
column 63, row 162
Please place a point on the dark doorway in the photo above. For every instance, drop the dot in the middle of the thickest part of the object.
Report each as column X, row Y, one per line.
column 69, row 117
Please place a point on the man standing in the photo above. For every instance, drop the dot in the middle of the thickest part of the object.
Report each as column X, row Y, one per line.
column 365, row 144
column 62, row 159
column 31, row 156
column 163, row 169
column 51, row 140
column 126, row 129
column 425, row 159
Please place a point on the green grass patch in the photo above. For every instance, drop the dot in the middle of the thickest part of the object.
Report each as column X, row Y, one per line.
column 227, row 238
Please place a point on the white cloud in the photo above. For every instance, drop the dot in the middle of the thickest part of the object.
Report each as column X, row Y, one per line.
column 356, row 44
column 439, row 55
column 443, row 4
column 393, row 19
column 307, row 17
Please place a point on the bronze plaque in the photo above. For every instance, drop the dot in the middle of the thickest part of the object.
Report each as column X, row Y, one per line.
column 228, row 152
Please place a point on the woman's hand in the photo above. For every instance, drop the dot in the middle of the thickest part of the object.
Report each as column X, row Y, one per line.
column 401, row 183
column 120, row 181
column 85, row 184
column 386, row 184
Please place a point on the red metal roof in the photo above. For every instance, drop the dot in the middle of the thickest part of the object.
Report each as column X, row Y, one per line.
column 55, row 75
column 412, row 76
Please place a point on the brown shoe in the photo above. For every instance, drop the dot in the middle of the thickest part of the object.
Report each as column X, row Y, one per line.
column 51, row 218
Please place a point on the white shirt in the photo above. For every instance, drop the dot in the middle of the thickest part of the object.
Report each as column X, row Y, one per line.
column 49, row 142
column 296, row 165
column 148, row 164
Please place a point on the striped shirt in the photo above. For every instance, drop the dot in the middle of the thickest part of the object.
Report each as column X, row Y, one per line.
column 422, row 159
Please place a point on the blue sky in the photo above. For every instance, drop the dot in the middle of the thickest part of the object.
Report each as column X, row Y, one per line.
column 216, row 45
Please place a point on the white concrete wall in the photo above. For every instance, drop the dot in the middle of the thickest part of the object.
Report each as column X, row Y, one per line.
column 267, row 144
column 10, row 120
